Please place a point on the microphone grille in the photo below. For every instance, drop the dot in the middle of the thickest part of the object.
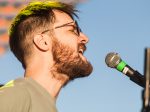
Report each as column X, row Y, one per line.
column 112, row 59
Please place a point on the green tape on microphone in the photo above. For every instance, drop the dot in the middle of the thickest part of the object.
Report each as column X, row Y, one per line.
column 121, row 66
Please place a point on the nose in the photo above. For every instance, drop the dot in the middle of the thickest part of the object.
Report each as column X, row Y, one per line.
column 83, row 38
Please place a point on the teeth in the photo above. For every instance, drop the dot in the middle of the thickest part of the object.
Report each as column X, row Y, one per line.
column 81, row 51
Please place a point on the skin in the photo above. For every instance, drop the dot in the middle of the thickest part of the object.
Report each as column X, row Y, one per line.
column 40, row 64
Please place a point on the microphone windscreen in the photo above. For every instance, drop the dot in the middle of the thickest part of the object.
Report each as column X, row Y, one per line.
column 112, row 59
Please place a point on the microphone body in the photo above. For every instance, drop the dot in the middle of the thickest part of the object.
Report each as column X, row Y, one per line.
column 113, row 60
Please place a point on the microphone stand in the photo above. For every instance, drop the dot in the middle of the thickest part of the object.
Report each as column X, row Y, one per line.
column 146, row 91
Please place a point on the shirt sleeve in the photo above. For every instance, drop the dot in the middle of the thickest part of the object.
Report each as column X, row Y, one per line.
column 14, row 99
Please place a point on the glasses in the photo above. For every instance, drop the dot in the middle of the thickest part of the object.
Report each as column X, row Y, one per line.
column 77, row 29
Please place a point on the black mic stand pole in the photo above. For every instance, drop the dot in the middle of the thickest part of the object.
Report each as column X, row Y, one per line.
column 146, row 91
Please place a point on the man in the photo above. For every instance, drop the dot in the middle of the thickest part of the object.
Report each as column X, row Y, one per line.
column 49, row 43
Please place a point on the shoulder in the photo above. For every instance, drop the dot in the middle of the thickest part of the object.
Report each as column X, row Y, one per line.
column 14, row 87
column 14, row 94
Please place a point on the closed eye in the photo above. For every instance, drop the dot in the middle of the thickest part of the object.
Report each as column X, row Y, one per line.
column 73, row 29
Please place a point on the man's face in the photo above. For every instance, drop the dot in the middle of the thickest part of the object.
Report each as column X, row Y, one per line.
column 68, row 48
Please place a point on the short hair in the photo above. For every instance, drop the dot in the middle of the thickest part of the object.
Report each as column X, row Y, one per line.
column 34, row 17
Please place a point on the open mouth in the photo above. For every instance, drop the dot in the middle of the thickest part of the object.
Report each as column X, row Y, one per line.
column 81, row 51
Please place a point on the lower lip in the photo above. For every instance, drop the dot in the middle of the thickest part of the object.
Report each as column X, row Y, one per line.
column 82, row 57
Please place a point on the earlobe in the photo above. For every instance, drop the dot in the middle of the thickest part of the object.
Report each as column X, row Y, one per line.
column 40, row 42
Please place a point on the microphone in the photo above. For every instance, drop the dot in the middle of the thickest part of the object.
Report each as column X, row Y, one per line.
column 113, row 60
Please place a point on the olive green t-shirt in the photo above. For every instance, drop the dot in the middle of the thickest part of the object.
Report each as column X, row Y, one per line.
column 25, row 95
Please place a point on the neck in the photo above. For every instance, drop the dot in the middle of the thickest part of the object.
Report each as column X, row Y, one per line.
column 51, row 81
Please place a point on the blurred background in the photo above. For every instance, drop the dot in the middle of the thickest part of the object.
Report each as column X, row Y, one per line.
column 121, row 26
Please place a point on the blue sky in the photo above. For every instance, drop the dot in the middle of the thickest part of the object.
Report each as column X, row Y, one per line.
column 121, row 26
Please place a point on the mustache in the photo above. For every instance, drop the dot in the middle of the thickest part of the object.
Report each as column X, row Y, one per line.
column 82, row 46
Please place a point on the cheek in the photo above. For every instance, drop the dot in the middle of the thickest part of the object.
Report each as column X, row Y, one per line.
column 71, row 43
column 68, row 40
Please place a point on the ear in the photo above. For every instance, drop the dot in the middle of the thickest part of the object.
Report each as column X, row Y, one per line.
column 42, row 42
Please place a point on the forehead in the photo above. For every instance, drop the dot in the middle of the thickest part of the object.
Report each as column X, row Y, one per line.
column 61, row 17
